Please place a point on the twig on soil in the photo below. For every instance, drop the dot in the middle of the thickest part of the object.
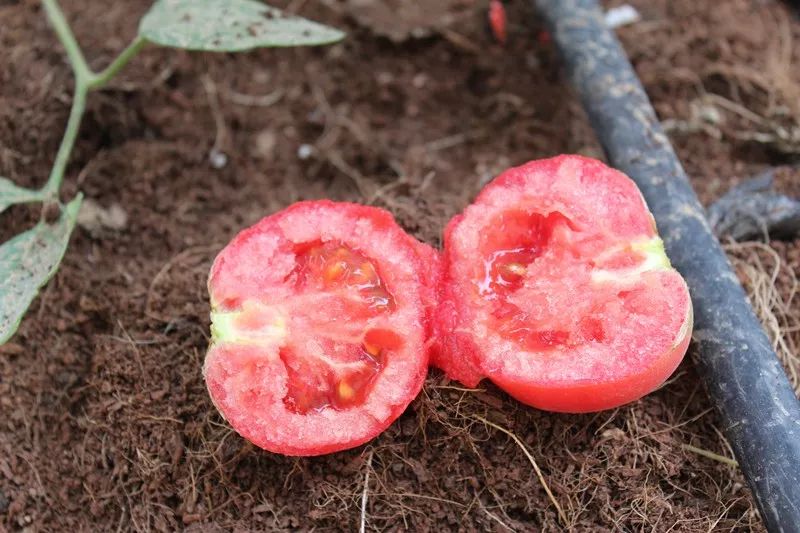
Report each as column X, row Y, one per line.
column 494, row 516
column 460, row 41
column 424, row 497
column 364, row 493
column 784, row 138
column 451, row 141
column 724, row 441
column 148, row 302
column 711, row 455
column 88, row 167
column 607, row 422
column 426, row 181
column 43, row 301
column 334, row 124
column 773, row 308
column 723, row 514
column 539, row 474
column 217, row 154
column 672, row 427
column 36, row 475
column 380, row 191
column 251, row 100
column 136, row 350
column 154, row 418
column 395, row 495
column 336, row 159
column 738, row 109
column 159, row 79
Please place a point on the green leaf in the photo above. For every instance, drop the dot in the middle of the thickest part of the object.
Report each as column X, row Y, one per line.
column 27, row 262
column 229, row 26
column 11, row 194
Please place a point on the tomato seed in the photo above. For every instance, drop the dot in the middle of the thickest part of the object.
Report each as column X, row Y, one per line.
column 372, row 349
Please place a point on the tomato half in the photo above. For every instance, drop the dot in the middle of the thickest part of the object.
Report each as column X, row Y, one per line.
column 321, row 316
column 557, row 288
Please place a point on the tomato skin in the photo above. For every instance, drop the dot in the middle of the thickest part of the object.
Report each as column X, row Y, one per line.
column 257, row 315
column 643, row 327
column 291, row 439
column 454, row 351
column 589, row 397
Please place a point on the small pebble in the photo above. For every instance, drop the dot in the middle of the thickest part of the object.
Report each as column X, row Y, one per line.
column 217, row 159
column 621, row 16
column 304, row 151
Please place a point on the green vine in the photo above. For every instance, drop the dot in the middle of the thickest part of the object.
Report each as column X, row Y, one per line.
column 30, row 259
column 85, row 80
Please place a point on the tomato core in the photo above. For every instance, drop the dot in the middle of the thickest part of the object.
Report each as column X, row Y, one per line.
column 335, row 367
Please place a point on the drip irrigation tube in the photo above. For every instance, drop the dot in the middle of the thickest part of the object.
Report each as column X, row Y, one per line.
column 758, row 407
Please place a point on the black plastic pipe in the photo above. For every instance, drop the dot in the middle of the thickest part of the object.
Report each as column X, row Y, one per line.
column 759, row 410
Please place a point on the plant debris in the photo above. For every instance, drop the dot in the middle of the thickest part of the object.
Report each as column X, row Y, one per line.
column 94, row 218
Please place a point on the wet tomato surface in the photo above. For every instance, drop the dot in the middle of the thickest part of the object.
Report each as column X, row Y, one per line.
column 321, row 317
column 557, row 288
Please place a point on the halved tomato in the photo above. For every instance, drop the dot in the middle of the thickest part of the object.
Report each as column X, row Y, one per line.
column 321, row 316
column 557, row 288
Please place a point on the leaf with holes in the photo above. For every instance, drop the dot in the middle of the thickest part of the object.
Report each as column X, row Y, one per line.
column 11, row 194
column 27, row 262
column 229, row 26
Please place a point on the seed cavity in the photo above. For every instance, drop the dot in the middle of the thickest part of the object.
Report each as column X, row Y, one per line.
column 333, row 267
column 335, row 368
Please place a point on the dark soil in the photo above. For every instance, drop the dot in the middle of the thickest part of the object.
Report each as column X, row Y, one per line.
column 106, row 423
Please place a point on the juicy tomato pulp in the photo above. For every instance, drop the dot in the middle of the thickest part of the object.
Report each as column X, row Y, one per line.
column 320, row 323
column 335, row 372
column 557, row 288
column 511, row 243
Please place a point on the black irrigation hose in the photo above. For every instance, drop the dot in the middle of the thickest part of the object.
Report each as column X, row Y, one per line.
column 759, row 410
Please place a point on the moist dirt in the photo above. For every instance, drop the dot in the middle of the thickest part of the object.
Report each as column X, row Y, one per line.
column 105, row 422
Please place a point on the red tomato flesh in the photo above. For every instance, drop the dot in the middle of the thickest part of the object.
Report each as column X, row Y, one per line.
column 320, row 321
column 557, row 288
column 497, row 20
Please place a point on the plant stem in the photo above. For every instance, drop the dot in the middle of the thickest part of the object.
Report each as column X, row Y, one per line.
column 85, row 80
column 67, row 38
column 96, row 81
column 68, row 141
column 711, row 455
column 536, row 468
